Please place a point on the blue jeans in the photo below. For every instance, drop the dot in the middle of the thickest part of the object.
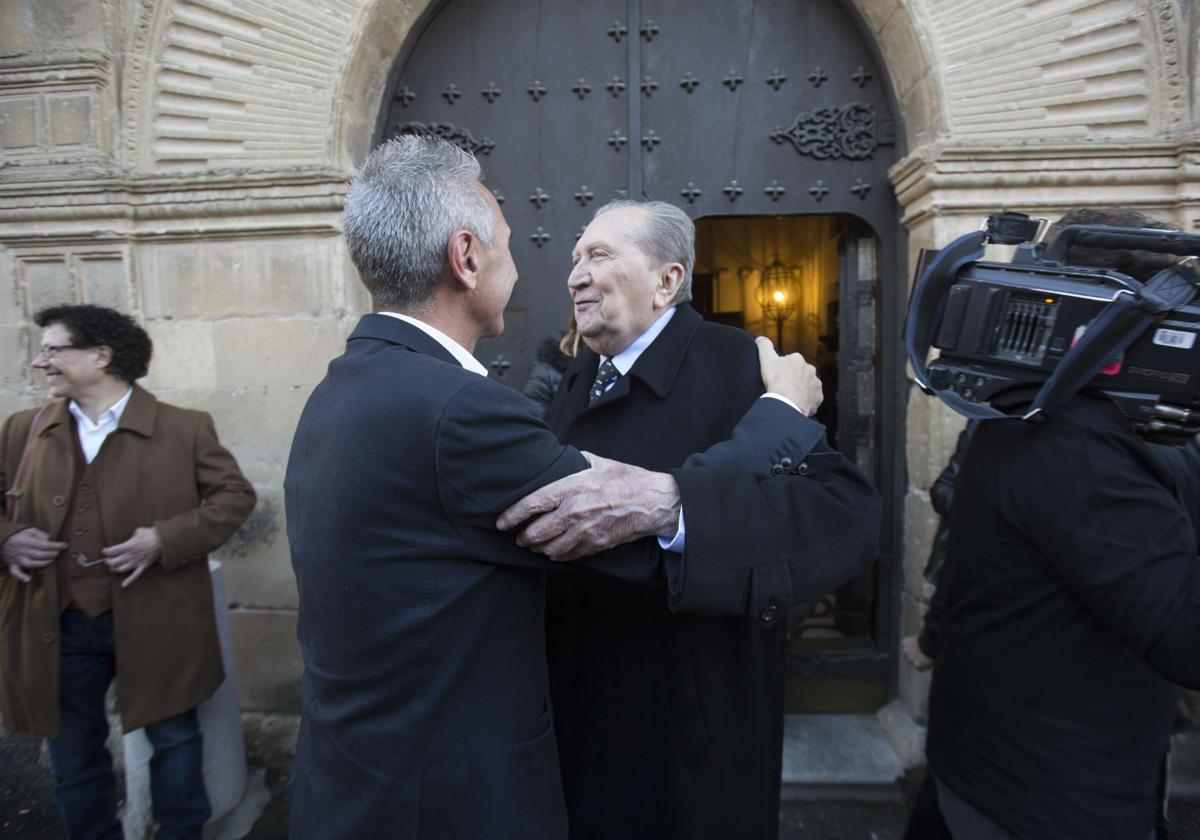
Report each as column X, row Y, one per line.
column 85, row 789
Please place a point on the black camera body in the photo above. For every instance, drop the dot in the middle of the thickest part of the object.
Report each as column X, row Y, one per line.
column 1004, row 329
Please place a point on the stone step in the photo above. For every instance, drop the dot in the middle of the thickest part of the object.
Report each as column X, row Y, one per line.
column 839, row 757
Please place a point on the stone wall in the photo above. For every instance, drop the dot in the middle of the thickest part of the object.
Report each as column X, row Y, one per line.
column 185, row 160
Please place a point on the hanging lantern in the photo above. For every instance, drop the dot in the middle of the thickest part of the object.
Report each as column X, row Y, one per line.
column 778, row 294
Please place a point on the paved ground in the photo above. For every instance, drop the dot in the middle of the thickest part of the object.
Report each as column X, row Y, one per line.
column 27, row 808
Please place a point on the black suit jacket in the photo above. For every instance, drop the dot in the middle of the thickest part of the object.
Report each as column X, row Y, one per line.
column 425, row 709
column 669, row 710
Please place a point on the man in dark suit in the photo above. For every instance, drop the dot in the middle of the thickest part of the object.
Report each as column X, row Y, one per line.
column 669, row 710
column 425, row 704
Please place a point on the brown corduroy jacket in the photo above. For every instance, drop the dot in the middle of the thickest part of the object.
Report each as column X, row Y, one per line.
column 164, row 467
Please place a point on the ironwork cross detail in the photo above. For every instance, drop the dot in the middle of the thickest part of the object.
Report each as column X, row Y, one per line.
column 691, row 192
column 649, row 30
column 689, row 82
column 818, row 190
column 817, row 77
column 579, row 232
column 776, row 79
column 491, row 92
column 861, row 77
column 617, row 31
column 775, row 190
column 649, row 86
column 584, row 195
column 500, row 199
column 650, row 140
column 617, row 140
column 616, row 86
column 581, row 89
column 860, row 189
column 540, row 198
column 451, row 93
column 406, row 96
column 732, row 81
column 537, row 90
column 732, row 191
column 539, row 237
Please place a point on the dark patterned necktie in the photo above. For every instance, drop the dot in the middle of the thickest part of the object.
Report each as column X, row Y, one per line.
column 605, row 376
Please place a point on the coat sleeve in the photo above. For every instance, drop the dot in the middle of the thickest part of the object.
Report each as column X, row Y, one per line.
column 775, row 517
column 1130, row 551
column 226, row 499
column 493, row 448
column 12, row 443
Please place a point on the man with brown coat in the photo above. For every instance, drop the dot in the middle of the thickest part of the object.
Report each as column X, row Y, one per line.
column 113, row 502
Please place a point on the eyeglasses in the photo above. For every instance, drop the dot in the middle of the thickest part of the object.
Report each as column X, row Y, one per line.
column 52, row 350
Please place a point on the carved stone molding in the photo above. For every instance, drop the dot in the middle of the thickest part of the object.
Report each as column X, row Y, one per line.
column 847, row 131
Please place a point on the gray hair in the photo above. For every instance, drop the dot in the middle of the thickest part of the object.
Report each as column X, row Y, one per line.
column 669, row 236
column 404, row 202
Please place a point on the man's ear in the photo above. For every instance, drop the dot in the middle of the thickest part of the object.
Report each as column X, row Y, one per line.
column 462, row 258
column 104, row 355
column 670, row 279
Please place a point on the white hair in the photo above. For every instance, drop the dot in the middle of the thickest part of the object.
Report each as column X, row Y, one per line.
column 669, row 236
column 404, row 202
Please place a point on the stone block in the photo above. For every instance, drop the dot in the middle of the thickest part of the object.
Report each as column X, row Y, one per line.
column 105, row 280
column 16, row 27
column 70, row 118
column 68, row 25
column 18, row 122
column 256, row 424
column 184, row 357
column 48, row 282
column 265, row 276
column 920, row 524
column 10, row 296
column 267, row 658
column 256, row 560
column 877, row 13
column 265, row 352
column 14, row 356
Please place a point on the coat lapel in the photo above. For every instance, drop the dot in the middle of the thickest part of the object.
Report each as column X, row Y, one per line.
column 656, row 368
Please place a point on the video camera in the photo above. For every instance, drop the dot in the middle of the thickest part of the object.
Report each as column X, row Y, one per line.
column 1018, row 338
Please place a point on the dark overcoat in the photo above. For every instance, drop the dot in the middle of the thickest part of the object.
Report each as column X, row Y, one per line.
column 670, row 709
column 164, row 467
column 425, row 698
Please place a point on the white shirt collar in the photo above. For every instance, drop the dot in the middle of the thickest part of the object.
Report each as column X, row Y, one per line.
column 625, row 360
column 452, row 347
column 110, row 416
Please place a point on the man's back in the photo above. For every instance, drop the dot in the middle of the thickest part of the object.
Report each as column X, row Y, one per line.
column 425, row 707
column 669, row 725
column 1069, row 565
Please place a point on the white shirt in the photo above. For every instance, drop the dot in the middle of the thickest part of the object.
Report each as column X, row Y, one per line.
column 455, row 349
column 92, row 435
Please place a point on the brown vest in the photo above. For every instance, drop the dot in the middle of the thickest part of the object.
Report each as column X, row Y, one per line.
column 88, row 589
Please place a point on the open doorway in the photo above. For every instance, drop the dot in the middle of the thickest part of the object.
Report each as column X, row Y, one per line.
column 785, row 277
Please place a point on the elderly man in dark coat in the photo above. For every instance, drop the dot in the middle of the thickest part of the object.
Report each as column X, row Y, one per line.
column 670, row 709
column 115, row 501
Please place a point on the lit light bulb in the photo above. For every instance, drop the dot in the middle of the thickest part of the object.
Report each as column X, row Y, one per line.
column 780, row 297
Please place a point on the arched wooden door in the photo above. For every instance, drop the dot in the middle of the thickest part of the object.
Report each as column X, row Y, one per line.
column 757, row 107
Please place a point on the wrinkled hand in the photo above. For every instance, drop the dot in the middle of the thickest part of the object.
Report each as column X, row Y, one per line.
column 135, row 555
column 29, row 550
column 789, row 376
column 610, row 504
column 913, row 653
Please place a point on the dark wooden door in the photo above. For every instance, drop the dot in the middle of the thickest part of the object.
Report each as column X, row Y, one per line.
column 724, row 108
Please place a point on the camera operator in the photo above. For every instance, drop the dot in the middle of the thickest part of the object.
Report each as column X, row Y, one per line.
column 1072, row 615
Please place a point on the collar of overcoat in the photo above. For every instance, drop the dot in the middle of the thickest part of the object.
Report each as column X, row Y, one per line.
column 138, row 416
column 378, row 327
column 657, row 367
